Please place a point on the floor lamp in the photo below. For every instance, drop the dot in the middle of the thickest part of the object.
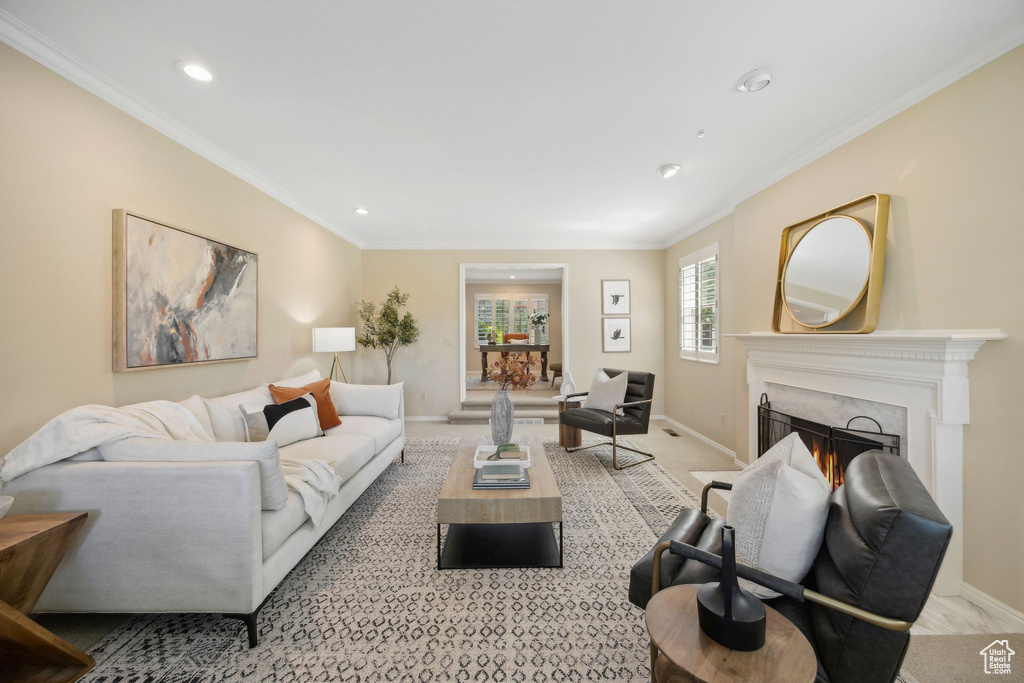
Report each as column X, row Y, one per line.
column 334, row 340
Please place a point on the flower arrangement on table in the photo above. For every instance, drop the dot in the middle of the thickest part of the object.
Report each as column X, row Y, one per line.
column 512, row 372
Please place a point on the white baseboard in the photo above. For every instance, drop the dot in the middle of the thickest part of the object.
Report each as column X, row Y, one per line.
column 694, row 433
column 992, row 606
column 426, row 418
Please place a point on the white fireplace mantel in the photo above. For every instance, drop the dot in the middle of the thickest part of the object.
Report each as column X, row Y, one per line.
column 924, row 371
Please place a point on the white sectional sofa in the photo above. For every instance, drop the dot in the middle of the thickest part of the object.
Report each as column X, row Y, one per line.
column 194, row 535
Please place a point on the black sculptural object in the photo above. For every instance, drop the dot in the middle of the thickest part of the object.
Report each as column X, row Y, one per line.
column 729, row 615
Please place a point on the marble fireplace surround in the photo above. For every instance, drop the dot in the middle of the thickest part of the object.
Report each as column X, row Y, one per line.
column 922, row 371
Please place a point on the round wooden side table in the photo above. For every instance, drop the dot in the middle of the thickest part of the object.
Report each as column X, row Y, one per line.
column 568, row 437
column 687, row 655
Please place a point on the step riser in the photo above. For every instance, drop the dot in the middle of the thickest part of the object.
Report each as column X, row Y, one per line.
column 452, row 419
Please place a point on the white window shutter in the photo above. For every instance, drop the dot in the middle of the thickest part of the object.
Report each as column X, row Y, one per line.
column 698, row 305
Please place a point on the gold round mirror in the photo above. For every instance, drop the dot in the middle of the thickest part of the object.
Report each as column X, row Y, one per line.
column 827, row 271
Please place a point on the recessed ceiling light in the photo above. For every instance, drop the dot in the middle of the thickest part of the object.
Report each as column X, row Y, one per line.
column 361, row 211
column 756, row 80
column 511, row 277
column 195, row 71
column 669, row 170
column 700, row 133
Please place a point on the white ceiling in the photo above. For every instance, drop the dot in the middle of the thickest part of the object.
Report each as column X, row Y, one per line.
column 512, row 124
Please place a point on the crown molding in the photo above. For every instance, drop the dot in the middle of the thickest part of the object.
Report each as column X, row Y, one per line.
column 700, row 224
column 994, row 46
column 546, row 246
column 33, row 44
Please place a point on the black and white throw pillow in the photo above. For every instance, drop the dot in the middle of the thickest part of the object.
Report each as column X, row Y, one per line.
column 284, row 423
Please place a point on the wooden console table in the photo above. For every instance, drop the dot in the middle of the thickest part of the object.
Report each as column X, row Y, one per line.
column 515, row 348
column 31, row 547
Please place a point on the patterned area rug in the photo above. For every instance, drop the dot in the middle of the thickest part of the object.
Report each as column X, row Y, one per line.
column 368, row 604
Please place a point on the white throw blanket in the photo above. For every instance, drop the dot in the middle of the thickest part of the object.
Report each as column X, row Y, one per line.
column 80, row 429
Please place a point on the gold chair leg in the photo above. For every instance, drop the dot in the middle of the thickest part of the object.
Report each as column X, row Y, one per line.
column 615, row 446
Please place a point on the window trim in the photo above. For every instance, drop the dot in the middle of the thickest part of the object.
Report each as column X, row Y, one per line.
column 697, row 354
column 529, row 298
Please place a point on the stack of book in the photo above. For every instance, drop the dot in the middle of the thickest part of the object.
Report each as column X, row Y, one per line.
column 501, row 476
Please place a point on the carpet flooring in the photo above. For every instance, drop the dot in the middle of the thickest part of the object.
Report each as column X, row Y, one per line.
column 474, row 384
column 367, row 603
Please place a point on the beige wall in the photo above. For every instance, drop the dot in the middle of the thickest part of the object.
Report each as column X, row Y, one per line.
column 68, row 159
column 431, row 369
column 554, row 292
column 699, row 394
column 954, row 166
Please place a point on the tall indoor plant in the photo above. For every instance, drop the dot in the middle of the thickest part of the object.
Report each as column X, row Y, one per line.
column 387, row 329
column 511, row 372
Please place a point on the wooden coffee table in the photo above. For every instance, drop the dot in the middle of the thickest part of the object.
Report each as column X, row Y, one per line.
column 687, row 654
column 499, row 527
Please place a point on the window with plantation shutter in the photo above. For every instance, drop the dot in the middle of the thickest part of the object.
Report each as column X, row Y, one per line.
column 508, row 313
column 698, row 305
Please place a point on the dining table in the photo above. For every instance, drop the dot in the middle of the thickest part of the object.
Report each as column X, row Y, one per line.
column 515, row 348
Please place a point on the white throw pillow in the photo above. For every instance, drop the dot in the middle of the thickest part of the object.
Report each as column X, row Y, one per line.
column 196, row 406
column 778, row 507
column 273, row 490
column 284, row 423
column 607, row 392
column 376, row 400
column 225, row 416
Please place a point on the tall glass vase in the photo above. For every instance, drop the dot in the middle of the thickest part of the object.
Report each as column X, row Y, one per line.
column 568, row 386
column 502, row 418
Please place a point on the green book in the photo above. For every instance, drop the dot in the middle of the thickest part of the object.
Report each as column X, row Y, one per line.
column 510, row 448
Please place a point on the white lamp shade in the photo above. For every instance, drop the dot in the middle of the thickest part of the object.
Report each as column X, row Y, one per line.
column 334, row 339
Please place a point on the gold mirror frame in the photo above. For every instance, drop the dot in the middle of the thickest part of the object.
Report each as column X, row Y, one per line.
column 870, row 297
column 863, row 288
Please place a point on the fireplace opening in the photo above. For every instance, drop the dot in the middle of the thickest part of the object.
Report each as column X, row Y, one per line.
column 833, row 448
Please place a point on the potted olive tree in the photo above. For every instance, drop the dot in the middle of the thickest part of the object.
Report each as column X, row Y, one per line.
column 387, row 329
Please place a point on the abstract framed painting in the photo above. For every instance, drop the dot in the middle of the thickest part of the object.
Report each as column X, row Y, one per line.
column 615, row 335
column 180, row 298
column 614, row 297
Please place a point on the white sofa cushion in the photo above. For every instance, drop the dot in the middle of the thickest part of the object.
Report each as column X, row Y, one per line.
column 778, row 506
column 226, row 416
column 278, row 525
column 384, row 400
column 345, row 452
column 196, row 406
column 300, row 381
column 382, row 431
column 273, row 489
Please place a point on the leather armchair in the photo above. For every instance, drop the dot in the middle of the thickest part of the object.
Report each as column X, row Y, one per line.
column 884, row 543
column 636, row 418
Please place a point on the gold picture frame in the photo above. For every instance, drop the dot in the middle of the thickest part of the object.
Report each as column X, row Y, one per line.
column 861, row 317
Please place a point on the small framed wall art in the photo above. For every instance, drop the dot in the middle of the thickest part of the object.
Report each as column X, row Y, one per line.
column 180, row 298
column 615, row 335
column 614, row 297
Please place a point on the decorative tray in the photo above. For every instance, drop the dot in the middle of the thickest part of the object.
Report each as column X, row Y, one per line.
column 482, row 453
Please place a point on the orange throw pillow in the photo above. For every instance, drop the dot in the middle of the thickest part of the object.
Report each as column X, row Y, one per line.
column 321, row 390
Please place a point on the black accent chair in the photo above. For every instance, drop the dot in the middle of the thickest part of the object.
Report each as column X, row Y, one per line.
column 636, row 420
column 884, row 542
